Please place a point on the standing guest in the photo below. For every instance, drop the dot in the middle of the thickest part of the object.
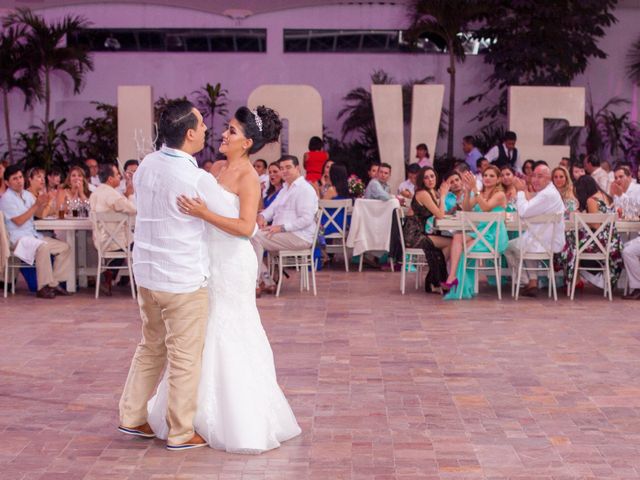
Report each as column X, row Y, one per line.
column 422, row 154
column 74, row 188
column 324, row 184
column 490, row 199
column 562, row 182
column 577, row 170
column 472, row 154
column 593, row 167
column 591, row 199
column 314, row 160
column 126, row 184
column 565, row 163
column 505, row 153
column 623, row 185
column 372, row 171
column 92, row 168
column 105, row 199
column 545, row 199
column 378, row 188
column 292, row 217
column 19, row 208
column 54, row 179
column 408, row 187
column 3, row 184
column 427, row 204
column 275, row 185
column 260, row 166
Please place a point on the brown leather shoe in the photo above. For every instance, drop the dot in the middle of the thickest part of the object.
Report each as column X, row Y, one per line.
column 142, row 431
column 58, row 290
column 195, row 442
column 632, row 295
column 258, row 292
column 46, row 292
column 268, row 289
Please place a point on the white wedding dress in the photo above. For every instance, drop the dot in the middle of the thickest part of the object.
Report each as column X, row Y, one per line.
column 241, row 408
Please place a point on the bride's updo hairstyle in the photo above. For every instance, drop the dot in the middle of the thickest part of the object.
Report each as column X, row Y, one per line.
column 263, row 129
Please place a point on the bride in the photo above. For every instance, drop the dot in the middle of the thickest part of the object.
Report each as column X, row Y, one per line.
column 241, row 408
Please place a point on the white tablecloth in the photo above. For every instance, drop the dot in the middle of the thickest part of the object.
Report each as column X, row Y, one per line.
column 371, row 225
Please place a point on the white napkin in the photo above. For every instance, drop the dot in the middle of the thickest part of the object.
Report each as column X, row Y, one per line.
column 26, row 249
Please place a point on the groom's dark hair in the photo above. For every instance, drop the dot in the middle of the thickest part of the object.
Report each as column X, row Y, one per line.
column 176, row 118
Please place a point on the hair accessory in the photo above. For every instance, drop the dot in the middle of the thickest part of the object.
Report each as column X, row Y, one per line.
column 257, row 119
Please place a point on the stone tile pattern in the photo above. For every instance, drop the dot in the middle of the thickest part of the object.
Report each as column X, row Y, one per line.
column 384, row 387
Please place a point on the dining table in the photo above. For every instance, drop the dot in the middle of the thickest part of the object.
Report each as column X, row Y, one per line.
column 73, row 231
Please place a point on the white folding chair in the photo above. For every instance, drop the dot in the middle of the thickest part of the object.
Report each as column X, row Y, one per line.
column 302, row 260
column 112, row 235
column 331, row 211
column 581, row 221
column 471, row 224
column 542, row 224
column 411, row 257
column 11, row 262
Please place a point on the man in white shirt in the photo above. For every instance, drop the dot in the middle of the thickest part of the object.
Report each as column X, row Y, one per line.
column 171, row 267
column 92, row 167
column 505, row 153
column 623, row 185
column 126, row 183
column 593, row 168
column 19, row 207
column 545, row 200
column 408, row 188
column 292, row 217
column 107, row 198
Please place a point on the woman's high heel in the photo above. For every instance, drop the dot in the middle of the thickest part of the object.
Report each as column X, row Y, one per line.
column 446, row 286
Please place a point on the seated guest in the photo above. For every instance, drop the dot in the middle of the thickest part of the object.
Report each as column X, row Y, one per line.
column 565, row 162
column 472, row 154
column 562, row 182
column 275, row 185
column 3, row 184
column 75, row 187
column 54, row 179
column 314, row 160
column 292, row 218
column 510, row 184
column 591, row 199
column 527, row 172
column 506, row 152
column 453, row 200
column 324, row 184
column 92, row 168
column 107, row 198
column 378, row 188
column 545, row 199
column 372, row 171
column 408, row 187
column 490, row 199
column 427, row 204
column 36, row 187
column 623, row 185
column 481, row 164
column 260, row 165
column 339, row 189
column 577, row 171
column 19, row 208
column 126, row 184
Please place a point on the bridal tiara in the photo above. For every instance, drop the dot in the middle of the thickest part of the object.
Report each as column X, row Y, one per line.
column 257, row 119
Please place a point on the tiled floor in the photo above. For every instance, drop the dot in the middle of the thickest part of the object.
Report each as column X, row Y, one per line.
column 384, row 387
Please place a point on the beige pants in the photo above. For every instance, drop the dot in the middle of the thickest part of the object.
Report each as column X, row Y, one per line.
column 278, row 241
column 61, row 263
column 173, row 329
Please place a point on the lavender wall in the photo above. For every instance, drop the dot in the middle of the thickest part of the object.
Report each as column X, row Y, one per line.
column 333, row 75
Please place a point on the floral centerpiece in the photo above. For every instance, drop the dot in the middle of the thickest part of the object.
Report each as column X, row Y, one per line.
column 356, row 186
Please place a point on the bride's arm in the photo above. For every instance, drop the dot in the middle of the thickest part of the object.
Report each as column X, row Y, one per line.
column 241, row 227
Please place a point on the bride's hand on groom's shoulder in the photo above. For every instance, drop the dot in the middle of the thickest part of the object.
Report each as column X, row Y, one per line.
column 194, row 207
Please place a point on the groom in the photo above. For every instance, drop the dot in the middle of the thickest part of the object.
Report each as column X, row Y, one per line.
column 171, row 267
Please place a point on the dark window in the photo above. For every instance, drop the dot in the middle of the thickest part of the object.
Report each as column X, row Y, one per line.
column 172, row 40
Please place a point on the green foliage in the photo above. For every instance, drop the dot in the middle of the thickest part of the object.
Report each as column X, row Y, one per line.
column 45, row 146
column 633, row 62
column 539, row 43
column 97, row 137
column 489, row 136
column 211, row 101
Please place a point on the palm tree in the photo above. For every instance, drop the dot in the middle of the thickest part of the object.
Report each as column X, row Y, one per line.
column 447, row 19
column 14, row 75
column 48, row 52
column 211, row 100
column 633, row 62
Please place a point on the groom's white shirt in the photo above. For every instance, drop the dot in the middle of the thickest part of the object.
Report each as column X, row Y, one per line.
column 170, row 253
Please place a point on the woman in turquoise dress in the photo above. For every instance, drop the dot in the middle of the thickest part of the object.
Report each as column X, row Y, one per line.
column 490, row 199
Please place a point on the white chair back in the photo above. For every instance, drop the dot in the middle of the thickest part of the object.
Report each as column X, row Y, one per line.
column 112, row 231
column 605, row 222
column 334, row 215
column 479, row 224
column 543, row 224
